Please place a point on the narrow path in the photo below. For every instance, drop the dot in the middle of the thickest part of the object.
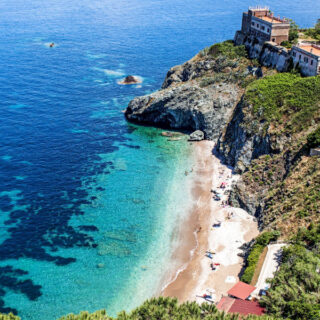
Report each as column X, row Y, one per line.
column 270, row 266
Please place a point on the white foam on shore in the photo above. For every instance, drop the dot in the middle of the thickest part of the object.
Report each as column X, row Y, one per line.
column 198, row 162
column 184, row 266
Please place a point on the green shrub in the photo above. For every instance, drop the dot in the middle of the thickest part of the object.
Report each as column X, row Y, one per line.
column 313, row 138
column 252, row 261
column 265, row 238
column 294, row 292
column 285, row 95
column 227, row 49
column 286, row 44
column 261, row 242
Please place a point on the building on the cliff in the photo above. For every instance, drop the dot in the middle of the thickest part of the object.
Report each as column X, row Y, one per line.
column 262, row 24
column 307, row 56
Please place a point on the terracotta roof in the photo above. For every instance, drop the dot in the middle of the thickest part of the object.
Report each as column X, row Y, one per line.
column 246, row 307
column 269, row 19
column 225, row 303
column 243, row 307
column 241, row 290
column 311, row 49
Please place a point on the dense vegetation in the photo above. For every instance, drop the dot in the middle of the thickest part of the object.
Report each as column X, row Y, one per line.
column 314, row 138
column 227, row 49
column 295, row 290
column 166, row 309
column 260, row 243
column 284, row 97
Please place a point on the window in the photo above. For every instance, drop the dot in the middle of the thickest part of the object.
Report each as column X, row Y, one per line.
column 262, row 27
column 294, row 54
column 273, row 40
column 253, row 23
column 268, row 30
column 311, row 62
column 299, row 56
column 305, row 59
column 258, row 25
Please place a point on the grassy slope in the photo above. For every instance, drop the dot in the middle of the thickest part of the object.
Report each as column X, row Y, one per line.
column 288, row 107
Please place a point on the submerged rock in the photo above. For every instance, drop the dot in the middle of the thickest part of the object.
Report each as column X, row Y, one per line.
column 197, row 135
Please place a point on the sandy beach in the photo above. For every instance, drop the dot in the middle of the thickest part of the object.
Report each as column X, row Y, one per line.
column 198, row 236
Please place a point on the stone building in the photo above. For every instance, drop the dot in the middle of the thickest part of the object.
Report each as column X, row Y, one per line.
column 263, row 25
column 307, row 56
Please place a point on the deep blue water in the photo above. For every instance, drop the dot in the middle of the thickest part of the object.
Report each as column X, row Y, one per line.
column 89, row 203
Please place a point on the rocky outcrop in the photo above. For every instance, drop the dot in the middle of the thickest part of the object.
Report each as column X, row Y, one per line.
column 244, row 140
column 267, row 53
column 190, row 70
column 130, row 80
column 197, row 135
column 186, row 105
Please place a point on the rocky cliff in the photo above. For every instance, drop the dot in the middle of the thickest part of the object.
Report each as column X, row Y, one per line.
column 199, row 95
column 266, row 141
column 261, row 126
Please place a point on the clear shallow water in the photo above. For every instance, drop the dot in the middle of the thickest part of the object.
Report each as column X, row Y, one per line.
column 88, row 202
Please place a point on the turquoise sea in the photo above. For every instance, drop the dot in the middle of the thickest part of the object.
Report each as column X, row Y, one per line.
column 90, row 204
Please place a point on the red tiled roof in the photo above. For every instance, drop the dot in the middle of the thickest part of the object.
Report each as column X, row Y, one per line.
column 243, row 307
column 246, row 307
column 241, row 290
column 225, row 303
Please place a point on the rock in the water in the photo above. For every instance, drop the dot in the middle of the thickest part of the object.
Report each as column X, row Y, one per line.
column 130, row 80
column 167, row 134
column 197, row 135
column 100, row 265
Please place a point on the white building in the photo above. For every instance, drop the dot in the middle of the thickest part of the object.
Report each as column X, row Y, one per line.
column 307, row 56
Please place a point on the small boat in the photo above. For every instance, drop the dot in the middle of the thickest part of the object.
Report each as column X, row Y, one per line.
column 51, row 44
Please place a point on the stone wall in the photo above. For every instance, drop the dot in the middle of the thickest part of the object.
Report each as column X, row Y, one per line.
column 268, row 53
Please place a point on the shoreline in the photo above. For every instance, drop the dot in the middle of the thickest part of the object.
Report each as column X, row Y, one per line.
column 188, row 229
column 194, row 276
